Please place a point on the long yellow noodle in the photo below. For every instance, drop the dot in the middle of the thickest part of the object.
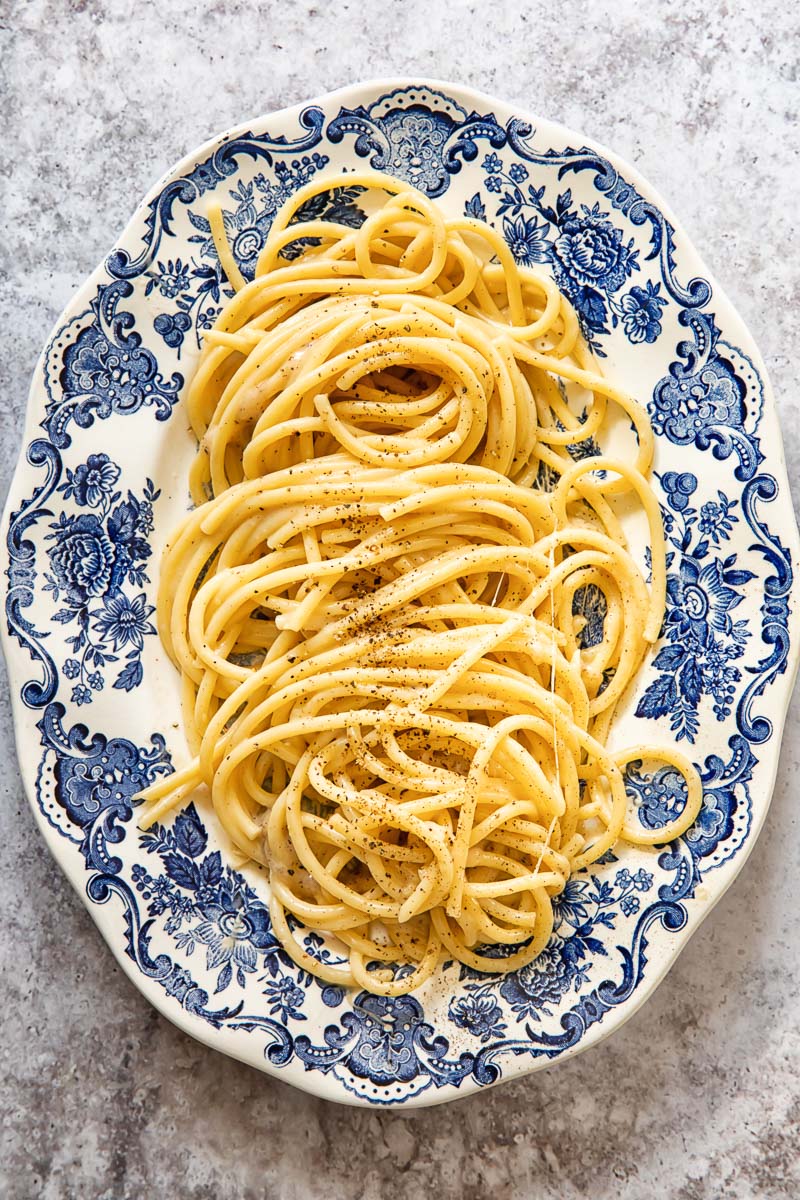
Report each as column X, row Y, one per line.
column 373, row 605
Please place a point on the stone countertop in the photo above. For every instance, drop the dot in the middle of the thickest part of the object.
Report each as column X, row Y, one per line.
column 697, row 1097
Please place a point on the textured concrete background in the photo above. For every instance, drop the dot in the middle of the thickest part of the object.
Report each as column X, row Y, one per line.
column 697, row 1098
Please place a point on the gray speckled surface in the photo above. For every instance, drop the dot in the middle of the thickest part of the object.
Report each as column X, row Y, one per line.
column 697, row 1098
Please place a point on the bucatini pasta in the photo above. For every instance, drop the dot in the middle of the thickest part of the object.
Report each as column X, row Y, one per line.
column 375, row 604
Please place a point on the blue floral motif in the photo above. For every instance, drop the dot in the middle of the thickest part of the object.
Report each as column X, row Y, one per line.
column 704, row 640
column 479, row 1015
column 590, row 253
column 204, row 177
column 640, row 311
column 217, row 907
column 197, row 287
column 700, row 599
column 254, row 205
column 123, row 621
column 206, row 904
column 573, row 904
column 590, row 261
column 285, row 999
column 527, row 240
column 92, row 482
column 623, row 197
column 94, row 557
column 717, row 518
column 590, row 258
column 584, row 905
column 97, row 780
column 534, row 989
column 233, row 932
column 171, row 277
column 82, row 558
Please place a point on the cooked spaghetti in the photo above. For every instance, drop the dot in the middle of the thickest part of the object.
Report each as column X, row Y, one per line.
column 375, row 605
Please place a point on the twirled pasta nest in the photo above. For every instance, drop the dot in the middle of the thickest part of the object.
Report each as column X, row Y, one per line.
column 376, row 604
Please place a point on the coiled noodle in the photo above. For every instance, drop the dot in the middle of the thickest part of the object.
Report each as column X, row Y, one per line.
column 377, row 602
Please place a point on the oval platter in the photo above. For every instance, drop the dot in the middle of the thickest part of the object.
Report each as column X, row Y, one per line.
column 102, row 480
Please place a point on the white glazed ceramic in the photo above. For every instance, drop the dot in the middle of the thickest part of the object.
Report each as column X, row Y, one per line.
column 102, row 479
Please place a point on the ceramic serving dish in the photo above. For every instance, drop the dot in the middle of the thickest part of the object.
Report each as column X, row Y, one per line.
column 102, row 480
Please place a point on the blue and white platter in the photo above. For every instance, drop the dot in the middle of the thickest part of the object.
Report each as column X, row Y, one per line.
column 102, row 480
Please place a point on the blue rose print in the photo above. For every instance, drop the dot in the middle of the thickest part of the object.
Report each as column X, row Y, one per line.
column 590, row 252
column 534, row 989
column 91, row 483
column 590, row 263
column 590, row 259
column 82, row 558
column 95, row 557
column 479, row 1015
column 640, row 311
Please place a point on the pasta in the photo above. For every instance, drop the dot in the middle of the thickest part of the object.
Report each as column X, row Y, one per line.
column 389, row 688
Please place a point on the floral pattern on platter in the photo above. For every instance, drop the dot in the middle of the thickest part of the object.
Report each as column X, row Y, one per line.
column 79, row 541
column 208, row 904
column 587, row 253
column 97, row 575
column 199, row 288
column 704, row 639
column 531, row 992
column 197, row 902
